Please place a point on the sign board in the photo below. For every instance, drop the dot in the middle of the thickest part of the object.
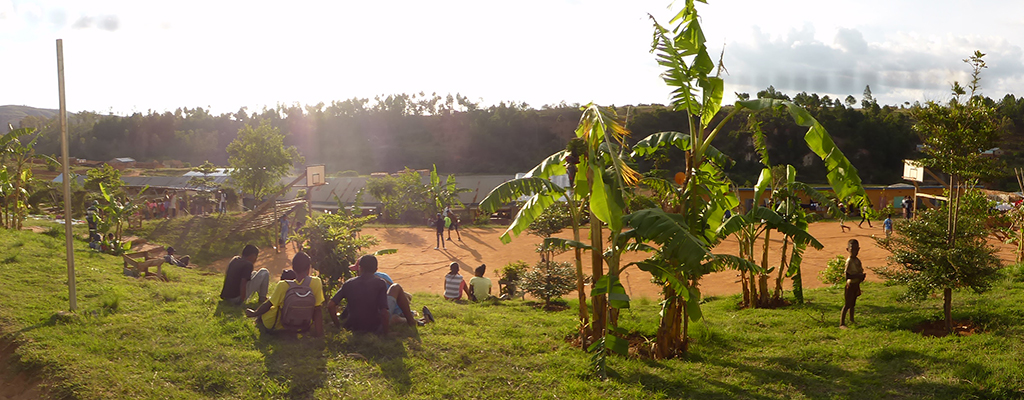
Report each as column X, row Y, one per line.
column 315, row 175
column 913, row 171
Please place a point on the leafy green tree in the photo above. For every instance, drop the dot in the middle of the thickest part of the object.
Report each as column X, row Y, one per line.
column 105, row 176
column 403, row 197
column 333, row 243
column 954, row 136
column 925, row 260
column 260, row 159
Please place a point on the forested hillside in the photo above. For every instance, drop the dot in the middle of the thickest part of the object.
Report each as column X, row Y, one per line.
column 390, row 133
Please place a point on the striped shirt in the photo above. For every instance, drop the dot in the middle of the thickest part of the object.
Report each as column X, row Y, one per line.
column 453, row 286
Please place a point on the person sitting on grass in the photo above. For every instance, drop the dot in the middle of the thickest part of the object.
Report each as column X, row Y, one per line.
column 240, row 281
column 454, row 285
column 170, row 259
column 479, row 286
column 363, row 312
column 854, row 276
column 273, row 315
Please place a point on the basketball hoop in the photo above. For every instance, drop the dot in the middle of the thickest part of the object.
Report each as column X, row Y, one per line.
column 315, row 175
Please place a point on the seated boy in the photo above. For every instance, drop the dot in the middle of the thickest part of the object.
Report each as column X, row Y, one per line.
column 170, row 259
column 268, row 315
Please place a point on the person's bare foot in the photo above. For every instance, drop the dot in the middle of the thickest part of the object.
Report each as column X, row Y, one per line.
column 842, row 327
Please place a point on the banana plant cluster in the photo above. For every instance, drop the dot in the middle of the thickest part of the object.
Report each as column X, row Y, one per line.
column 690, row 218
column 115, row 214
column 687, row 236
column 16, row 174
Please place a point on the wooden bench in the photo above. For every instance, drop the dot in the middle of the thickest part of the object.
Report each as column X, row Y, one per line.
column 142, row 268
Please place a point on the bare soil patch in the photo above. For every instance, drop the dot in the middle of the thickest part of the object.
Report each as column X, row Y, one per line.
column 937, row 328
column 420, row 268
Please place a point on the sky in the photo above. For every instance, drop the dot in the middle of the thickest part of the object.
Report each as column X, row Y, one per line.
column 131, row 56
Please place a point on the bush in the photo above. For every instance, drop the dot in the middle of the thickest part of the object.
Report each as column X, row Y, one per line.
column 549, row 280
column 834, row 272
column 513, row 271
column 348, row 173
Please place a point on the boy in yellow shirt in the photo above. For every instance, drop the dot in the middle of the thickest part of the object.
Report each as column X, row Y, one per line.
column 268, row 314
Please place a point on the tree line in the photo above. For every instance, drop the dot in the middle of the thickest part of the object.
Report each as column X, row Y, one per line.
column 389, row 133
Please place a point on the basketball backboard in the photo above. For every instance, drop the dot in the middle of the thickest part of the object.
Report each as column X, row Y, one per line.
column 315, row 175
column 913, row 171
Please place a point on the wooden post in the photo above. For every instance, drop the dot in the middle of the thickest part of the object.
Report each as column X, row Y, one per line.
column 69, row 243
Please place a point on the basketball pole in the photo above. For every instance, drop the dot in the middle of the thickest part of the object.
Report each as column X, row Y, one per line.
column 69, row 244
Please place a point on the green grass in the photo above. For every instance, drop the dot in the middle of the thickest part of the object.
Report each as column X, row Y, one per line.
column 134, row 338
column 206, row 239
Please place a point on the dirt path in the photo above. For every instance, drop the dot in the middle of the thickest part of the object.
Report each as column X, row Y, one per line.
column 420, row 268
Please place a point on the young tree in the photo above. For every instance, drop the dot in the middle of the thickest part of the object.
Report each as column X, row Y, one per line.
column 259, row 159
column 926, row 260
column 954, row 135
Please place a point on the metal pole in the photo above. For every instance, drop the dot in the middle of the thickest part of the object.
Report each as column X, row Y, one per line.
column 69, row 245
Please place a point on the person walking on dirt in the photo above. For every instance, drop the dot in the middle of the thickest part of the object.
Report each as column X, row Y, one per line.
column 865, row 211
column 842, row 217
column 887, row 224
column 452, row 222
column 854, row 276
column 439, row 229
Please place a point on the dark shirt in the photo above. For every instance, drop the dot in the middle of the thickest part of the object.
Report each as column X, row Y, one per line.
column 439, row 224
column 239, row 269
column 366, row 296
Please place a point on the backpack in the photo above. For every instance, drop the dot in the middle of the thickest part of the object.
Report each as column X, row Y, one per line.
column 297, row 307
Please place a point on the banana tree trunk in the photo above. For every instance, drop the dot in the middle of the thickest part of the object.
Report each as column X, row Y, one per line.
column 580, row 289
column 597, row 271
column 777, row 296
column 667, row 340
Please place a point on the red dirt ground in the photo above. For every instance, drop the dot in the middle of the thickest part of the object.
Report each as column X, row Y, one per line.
column 420, row 268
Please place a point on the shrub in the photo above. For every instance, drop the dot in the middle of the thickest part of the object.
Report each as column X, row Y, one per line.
column 513, row 271
column 834, row 272
column 549, row 280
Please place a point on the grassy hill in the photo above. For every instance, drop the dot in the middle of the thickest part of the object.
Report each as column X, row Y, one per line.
column 13, row 114
column 134, row 338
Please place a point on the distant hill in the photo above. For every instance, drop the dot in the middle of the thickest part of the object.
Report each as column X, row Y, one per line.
column 13, row 114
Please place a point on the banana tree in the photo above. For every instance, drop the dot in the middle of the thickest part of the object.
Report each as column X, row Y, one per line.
column 444, row 194
column 116, row 212
column 600, row 186
column 17, row 157
column 704, row 197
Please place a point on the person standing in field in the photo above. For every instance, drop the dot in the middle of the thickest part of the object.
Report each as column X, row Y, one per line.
column 452, row 221
column 887, row 225
column 439, row 229
column 854, row 276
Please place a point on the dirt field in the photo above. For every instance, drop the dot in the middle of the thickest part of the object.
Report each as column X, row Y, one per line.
column 420, row 268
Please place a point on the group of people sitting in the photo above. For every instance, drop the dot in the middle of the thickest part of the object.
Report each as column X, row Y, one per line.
column 478, row 288
column 373, row 301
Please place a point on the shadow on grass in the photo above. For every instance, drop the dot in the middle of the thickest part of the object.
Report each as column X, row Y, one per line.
column 387, row 352
column 890, row 373
column 297, row 362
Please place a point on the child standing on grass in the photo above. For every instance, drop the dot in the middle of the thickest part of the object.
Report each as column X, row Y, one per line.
column 854, row 276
